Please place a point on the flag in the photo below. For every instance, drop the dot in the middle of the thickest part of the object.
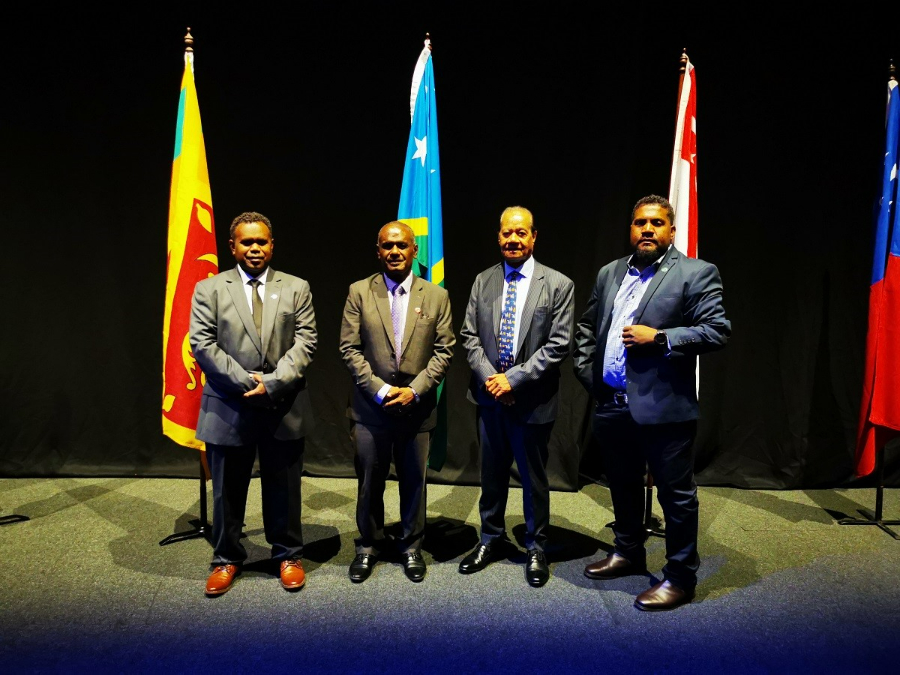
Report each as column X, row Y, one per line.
column 683, row 183
column 420, row 206
column 191, row 258
column 879, row 419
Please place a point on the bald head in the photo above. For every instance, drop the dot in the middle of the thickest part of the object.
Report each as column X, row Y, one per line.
column 397, row 250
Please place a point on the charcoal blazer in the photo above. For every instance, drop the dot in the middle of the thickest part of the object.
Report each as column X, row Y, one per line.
column 367, row 348
column 684, row 298
column 227, row 348
column 544, row 341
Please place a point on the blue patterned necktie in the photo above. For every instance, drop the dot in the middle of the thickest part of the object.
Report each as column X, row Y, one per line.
column 508, row 324
column 397, row 321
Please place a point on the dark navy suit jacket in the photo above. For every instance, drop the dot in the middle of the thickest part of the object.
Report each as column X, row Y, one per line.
column 684, row 299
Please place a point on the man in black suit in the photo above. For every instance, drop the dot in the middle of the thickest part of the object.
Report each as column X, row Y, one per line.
column 517, row 331
column 649, row 316
column 397, row 341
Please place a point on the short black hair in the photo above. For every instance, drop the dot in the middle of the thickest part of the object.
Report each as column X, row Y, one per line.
column 659, row 201
column 250, row 217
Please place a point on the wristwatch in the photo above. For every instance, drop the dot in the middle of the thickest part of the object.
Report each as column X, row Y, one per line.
column 661, row 338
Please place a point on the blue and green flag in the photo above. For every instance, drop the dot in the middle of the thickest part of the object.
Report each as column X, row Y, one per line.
column 420, row 207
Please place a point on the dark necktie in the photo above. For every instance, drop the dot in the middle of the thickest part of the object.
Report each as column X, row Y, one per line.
column 257, row 305
column 397, row 320
column 508, row 324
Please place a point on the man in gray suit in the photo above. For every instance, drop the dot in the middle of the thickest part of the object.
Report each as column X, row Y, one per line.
column 649, row 316
column 517, row 331
column 253, row 333
column 397, row 341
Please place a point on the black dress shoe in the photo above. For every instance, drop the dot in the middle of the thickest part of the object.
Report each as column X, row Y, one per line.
column 612, row 567
column 665, row 595
column 361, row 567
column 477, row 560
column 414, row 566
column 536, row 569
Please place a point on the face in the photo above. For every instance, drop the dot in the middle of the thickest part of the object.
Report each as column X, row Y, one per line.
column 651, row 231
column 516, row 236
column 252, row 247
column 396, row 250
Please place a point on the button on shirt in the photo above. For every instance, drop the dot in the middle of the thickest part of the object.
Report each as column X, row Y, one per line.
column 404, row 306
column 632, row 290
column 526, row 272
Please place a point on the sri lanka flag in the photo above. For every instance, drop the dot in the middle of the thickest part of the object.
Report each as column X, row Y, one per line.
column 420, row 207
column 879, row 419
column 191, row 257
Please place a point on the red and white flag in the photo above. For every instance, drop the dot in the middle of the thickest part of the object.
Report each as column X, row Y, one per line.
column 683, row 184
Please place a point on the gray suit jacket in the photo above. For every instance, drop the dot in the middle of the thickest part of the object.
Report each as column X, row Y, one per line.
column 367, row 348
column 545, row 336
column 228, row 349
column 684, row 299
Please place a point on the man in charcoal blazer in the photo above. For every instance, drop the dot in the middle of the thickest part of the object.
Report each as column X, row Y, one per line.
column 636, row 345
column 397, row 342
column 253, row 333
column 517, row 331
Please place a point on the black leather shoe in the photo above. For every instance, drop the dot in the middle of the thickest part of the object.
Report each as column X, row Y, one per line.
column 414, row 566
column 536, row 569
column 665, row 595
column 477, row 560
column 612, row 567
column 361, row 567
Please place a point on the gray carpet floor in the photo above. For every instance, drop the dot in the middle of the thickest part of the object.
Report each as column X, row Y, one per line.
column 86, row 587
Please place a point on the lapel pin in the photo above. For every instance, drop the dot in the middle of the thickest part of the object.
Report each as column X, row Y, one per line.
column 418, row 310
column 665, row 269
column 274, row 296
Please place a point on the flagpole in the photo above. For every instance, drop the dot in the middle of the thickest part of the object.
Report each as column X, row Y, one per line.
column 877, row 518
column 200, row 526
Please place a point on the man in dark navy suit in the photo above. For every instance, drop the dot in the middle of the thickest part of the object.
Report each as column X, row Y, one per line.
column 649, row 316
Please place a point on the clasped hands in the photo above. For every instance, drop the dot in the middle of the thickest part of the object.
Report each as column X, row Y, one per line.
column 498, row 386
column 398, row 399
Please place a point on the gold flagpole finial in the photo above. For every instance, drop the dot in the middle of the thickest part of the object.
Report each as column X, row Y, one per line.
column 892, row 71
column 189, row 41
column 428, row 41
column 683, row 61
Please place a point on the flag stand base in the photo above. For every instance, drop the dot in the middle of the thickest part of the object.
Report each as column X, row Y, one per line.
column 876, row 518
column 14, row 518
column 652, row 525
column 200, row 526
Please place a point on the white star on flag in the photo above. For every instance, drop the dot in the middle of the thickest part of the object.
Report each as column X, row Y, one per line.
column 421, row 149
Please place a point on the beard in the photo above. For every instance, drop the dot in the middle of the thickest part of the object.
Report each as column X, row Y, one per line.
column 647, row 256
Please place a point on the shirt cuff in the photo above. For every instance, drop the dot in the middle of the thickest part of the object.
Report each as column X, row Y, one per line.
column 415, row 393
column 379, row 397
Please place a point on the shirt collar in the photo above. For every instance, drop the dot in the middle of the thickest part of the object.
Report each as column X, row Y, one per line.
column 246, row 277
column 391, row 284
column 525, row 270
column 653, row 267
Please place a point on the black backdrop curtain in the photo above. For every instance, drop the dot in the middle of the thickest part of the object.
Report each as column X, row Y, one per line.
column 568, row 111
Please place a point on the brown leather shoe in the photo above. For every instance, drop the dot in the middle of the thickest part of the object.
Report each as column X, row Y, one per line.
column 292, row 575
column 612, row 567
column 665, row 595
column 222, row 579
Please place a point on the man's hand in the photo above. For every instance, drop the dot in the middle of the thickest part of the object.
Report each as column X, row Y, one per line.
column 497, row 385
column 638, row 335
column 507, row 399
column 398, row 399
column 260, row 388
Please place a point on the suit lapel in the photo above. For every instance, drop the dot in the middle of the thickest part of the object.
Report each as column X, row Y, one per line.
column 667, row 264
column 494, row 291
column 380, row 295
column 610, row 298
column 413, row 309
column 534, row 293
column 239, row 300
column 272, row 291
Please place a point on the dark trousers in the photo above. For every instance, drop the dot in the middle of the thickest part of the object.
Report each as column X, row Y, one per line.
column 376, row 446
column 628, row 450
column 505, row 438
column 280, row 468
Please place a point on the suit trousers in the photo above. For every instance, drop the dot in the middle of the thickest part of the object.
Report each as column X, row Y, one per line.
column 280, row 468
column 628, row 450
column 504, row 438
column 375, row 447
